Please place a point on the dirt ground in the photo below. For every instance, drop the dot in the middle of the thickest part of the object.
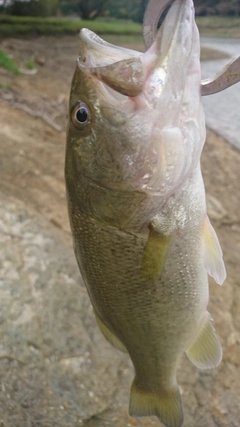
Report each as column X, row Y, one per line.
column 55, row 367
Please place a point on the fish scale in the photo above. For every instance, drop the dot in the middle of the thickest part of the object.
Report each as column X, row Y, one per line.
column 137, row 208
column 111, row 259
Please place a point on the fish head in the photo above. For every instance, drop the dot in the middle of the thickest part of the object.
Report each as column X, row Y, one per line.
column 136, row 119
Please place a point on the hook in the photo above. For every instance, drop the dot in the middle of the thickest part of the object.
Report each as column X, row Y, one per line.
column 228, row 76
column 225, row 78
column 152, row 14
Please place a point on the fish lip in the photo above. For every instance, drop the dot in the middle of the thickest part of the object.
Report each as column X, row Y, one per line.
column 96, row 51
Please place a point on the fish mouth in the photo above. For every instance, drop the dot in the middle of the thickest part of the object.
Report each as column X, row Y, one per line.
column 98, row 52
column 120, row 69
column 120, row 72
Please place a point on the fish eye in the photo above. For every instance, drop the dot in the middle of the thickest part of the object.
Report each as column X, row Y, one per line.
column 81, row 115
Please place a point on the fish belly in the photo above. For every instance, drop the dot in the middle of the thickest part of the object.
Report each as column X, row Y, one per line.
column 155, row 320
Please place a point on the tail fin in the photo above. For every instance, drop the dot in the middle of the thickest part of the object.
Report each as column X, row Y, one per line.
column 166, row 405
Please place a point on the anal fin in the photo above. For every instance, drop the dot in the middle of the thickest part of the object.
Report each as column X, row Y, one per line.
column 166, row 405
column 213, row 253
column 205, row 350
column 109, row 336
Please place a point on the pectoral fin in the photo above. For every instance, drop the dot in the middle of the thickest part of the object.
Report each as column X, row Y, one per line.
column 109, row 336
column 166, row 405
column 155, row 253
column 213, row 253
column 205, row 351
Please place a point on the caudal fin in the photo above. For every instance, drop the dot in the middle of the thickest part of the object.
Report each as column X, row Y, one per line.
column 166, row 405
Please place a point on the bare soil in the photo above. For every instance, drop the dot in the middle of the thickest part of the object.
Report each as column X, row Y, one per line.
column 55, row 367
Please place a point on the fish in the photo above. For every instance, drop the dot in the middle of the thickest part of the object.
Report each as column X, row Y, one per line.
column 137, row 206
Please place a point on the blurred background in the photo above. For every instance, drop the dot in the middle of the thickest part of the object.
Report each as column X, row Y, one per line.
column 55, row 367
column 119, row 9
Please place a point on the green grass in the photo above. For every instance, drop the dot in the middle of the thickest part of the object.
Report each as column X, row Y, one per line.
column 29, row 65
column 219, row 26
column 8, row 63
column 11, row 25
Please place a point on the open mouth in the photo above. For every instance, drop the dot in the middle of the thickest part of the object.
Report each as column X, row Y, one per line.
column 98, row 52
column 123, row 73
column 122, row 70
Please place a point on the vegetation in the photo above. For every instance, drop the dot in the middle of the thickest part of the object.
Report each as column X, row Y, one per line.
column 217, row 7
column 22, row 25
column 29, row 65
column 118, row 9
column 219, row 26
column 30, row 7
column 116, row 16
column 9, row 25
column 8, row 63
column 89, row 9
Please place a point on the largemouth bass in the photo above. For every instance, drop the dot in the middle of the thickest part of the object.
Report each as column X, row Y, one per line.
column 137, row 209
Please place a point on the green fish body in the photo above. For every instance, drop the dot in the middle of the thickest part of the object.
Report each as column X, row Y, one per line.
column 137, row 209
